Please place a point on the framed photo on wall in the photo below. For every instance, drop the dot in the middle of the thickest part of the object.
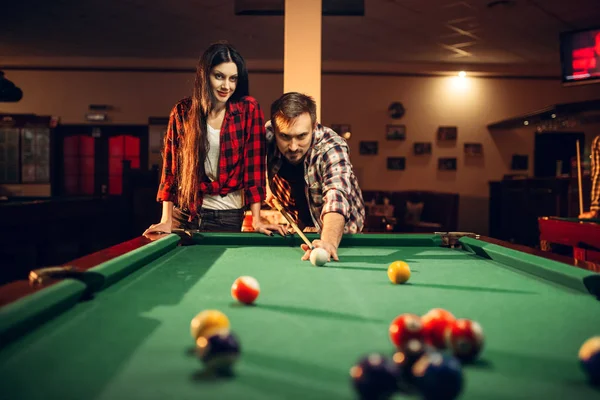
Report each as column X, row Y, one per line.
column 422, row 148
column 519, row 162
column 396, row 163
column 368, row 148
column 447, row 164
column 395, row 132
column 473, row 149
column 447, row 133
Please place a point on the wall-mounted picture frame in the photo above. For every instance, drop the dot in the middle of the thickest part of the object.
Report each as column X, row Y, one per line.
column 519, row 162
column 395, row 132
column 473, row 149
column 422, row 148
column 447, row 164
column 396, row 163
column 368, row 148
column 447, row 133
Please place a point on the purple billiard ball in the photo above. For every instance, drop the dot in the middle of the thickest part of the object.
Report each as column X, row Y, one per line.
column 219, row 352
column 374, row 377
column 404, row 361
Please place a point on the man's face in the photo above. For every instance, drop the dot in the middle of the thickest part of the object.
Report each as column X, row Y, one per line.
column 293, row 141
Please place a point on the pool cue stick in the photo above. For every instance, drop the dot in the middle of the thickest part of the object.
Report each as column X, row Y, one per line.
column 291, row 222
column 579, row 180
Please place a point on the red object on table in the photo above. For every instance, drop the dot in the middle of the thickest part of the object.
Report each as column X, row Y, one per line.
column 583, row 236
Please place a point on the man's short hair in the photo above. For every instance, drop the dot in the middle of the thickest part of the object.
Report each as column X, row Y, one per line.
column 289, row 106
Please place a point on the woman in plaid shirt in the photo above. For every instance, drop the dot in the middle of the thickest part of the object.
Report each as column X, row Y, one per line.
column 595, row 204
column 310, row 173
column 214, row 151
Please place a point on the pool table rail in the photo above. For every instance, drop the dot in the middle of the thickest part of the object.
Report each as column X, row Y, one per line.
column 27, row 304
column 579, row 279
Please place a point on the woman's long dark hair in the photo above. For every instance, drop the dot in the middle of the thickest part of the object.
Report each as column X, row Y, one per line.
column 194, row 147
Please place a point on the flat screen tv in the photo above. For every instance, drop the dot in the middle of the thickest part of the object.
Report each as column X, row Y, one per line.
column 580, row 56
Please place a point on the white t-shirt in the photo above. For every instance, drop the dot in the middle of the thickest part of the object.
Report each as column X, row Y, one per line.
column 211, row 165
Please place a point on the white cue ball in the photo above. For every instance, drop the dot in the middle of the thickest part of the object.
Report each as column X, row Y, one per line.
column 318, row 256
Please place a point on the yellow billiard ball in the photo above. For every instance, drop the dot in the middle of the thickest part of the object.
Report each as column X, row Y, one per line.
column 398, row 272
column 207, row 323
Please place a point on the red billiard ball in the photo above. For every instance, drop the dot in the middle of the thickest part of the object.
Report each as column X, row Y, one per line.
column 245, row 289
column 404, row 328
column 465, row 339
column 435, row 323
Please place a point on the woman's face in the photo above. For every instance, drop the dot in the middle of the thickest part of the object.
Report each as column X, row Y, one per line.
column 223, row 80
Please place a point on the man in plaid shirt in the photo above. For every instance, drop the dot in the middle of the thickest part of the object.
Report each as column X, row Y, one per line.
column 595, row 205
column 309, row 172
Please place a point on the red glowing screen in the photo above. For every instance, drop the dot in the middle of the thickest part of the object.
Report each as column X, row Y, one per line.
column 580, row 56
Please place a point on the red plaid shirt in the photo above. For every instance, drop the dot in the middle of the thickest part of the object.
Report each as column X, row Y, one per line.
column 242, row 157
column 595, row 156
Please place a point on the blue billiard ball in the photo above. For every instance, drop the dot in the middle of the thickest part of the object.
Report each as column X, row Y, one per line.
column 374, row 377
column 589, row 357
column 438, row 376
column 219, row 352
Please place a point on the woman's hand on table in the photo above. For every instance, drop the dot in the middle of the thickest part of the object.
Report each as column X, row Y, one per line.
column 328, row 247
column 161, row 227
column 267, row 228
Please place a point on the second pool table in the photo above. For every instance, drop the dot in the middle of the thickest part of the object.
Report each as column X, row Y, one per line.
column 582, row 236
column 120, row 329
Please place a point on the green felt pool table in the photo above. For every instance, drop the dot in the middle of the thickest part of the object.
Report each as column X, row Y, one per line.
column 128, row 336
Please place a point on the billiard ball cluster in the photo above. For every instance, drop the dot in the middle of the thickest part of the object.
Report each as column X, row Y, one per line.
column 440, row 330
column 430, row 351
column 215, row 344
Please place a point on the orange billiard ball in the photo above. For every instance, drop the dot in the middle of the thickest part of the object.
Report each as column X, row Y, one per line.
column 245, row 289
column 398, row 272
